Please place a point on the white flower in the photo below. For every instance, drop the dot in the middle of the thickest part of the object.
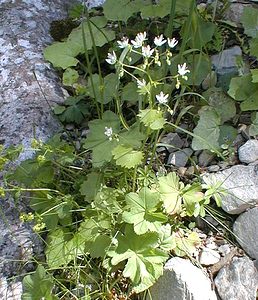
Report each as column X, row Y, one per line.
column 147, row 51
column 159, row 41
column 123, row 43
column 172, row 42
column 162, row 98
column 139, row 39
column 111, row 58
column 182, row 69
column 141, row 84
column 109, row 132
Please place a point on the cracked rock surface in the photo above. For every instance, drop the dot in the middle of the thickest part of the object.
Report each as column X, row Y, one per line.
column 28, row 89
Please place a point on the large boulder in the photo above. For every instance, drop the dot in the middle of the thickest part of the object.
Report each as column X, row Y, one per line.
column 29, row 88
column 246, row 231
column 241, row 187
column 182, row 281
column 237, row 280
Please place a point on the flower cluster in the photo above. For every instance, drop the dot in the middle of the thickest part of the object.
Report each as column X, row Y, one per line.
column 110, row 134
column 147, row 52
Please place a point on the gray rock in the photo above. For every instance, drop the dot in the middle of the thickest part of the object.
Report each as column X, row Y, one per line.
column 235, row 11
column 28, row 84
column 10, row 291
column 205, row 158
column 93, row 3
column 246, row 230
column 224, row 249
column 240, row 184
column 225, row 65
column 208, row 257
column 182, row 281
column 213, row 168
column 28, row 89
column 172, row 142
column 238, row 280
column 179, row 158
column 226, row 59
column 238, row 141
column 248, row 153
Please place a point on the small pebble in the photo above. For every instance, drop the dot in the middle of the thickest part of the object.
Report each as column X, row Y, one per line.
column 213, row 168
column 69, row 127
column 181, row 171
column 224, row 249
column 190, row 171
column 248, row 153
column 85, row 132
column 208, row 257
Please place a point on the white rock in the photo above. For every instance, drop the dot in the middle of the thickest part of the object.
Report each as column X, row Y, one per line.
column 248, row 153
column 246, row 230
column 182, row 281
column 240, row 184
column 238, row 280
column 208, row 257
column 224, row 249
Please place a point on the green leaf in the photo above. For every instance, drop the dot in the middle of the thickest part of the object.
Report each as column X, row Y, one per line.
column 101, row 35
column 244, row 90
column 200, row 67
column 221, row 102
column 132, row 137
column 106, row 200
column 70, row 76
column 61, row 54
column 227, row 134
column 170, row 192
column 31, row 173
column 129, row 93
column 206, row 133
column 98, row 142
column 201, row 32
column 62, row 248
column 192, row 195
column 120, row 10
column 254, row 73
column 102, row 145
column 127, row 157
column 167, row 239
column 249, row 20
column 100, row 245
column 152, row 118
column 89, row 229
column 254, row 47
column 91, row 186
column 104, row 93
column 76, row 110
column 59, row 109
column 253, row 130
column 143, row 211
column 38, row 285
column 160, row 10
column 144, row 260
column 186, row 244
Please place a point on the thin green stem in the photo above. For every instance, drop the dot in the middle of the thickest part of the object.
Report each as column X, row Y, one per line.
column 171, row 18
column 89, row 69
column 97, row 58
column 187, row 29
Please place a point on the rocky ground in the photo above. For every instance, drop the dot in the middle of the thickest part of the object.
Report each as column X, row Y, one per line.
column 29, row 87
